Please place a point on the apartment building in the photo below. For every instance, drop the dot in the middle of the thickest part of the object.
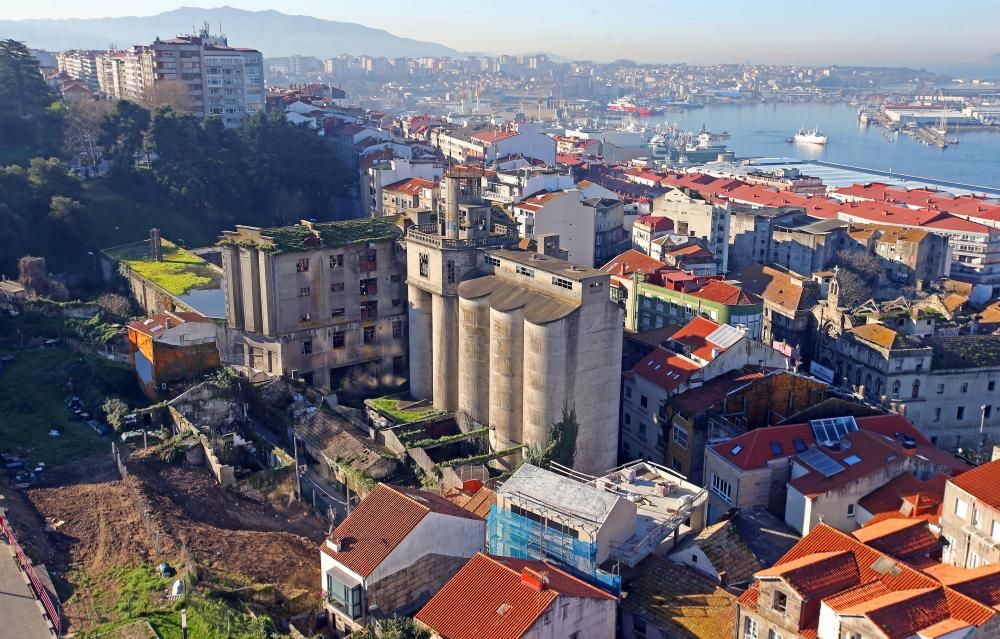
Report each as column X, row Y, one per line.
column 198, row 72
column 544, row 328
column 695, row 216
column 682, row 297
column 320, row 302
column 646, row 229
column 914, row 257
column 408, row 196
column 590, row 229
column 970, row 517
column 81, row 65
column 520, row 139
column 805, row 244
column 883, row 581
column 695, row 355
column 788, row 302
column 397, row 170
column 517, row 179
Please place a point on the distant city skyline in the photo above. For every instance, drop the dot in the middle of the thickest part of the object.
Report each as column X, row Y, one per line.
column 853, row 32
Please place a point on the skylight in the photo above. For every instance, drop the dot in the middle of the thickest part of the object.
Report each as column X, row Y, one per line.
column 799, row 445
column 851, row 460
column 776, row 449
column 735, row 450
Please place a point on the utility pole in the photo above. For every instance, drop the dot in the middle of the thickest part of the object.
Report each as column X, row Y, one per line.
column 982, row 428
column 298, row 480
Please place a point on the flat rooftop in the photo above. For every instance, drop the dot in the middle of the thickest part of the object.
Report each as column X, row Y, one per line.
column 185, row 276
column 308, row 236
column 552, row 265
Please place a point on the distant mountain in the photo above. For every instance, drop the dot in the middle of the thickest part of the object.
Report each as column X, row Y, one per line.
column 273, row 33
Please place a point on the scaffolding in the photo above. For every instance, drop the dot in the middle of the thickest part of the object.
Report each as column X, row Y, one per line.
column 553, row 537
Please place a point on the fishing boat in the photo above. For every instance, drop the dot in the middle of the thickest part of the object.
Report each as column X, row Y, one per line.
column 809, row 136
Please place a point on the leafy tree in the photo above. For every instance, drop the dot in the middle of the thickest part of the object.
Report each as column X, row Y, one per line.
column 122, row 132
column 115, row 411
column 22, row 89
column 67, row 214
column 49, row 178
column 561, row 445
column 394, row 628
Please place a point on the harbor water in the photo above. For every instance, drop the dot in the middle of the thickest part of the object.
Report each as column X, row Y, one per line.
column 762, row 130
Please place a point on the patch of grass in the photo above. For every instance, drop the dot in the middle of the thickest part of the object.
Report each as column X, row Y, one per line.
column 390, row 407
column 178, row 272
column 31, row 403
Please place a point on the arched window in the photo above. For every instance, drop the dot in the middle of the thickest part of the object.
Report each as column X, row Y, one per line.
column 915, row 393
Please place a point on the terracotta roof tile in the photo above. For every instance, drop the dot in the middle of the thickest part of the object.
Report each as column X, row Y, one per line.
column 982, row 482
column 819, row 574
column 666, row 369
column 469, row 605
column 725, row 293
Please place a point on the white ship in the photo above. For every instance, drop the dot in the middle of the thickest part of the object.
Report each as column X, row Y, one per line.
column 810, row 136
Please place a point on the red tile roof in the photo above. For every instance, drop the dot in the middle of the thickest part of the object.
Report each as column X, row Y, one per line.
column 906, row 539
column 493, row 136
column 926, row 495
column 656, row 223
column 631, row 261
column 695, row 334
column 409, row 186
column 489, row 599
column 982, row 482
column 693, row 401
column 666, row 369
column 725, row 293
column 381, row 521
column 819, row 574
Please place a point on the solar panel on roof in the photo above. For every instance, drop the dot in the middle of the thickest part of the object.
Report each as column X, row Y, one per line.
column 833, row 429
column 821, row 462
column 725, row 336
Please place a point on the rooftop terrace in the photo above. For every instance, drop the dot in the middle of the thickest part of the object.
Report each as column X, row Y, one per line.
column 307, row 236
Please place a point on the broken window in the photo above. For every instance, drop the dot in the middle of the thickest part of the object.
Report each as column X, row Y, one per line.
column 397, row 329
column 337, row 339
column 369, row 286
column 336, row 287
column 369, row 335
column 337, row 312
column 424, row 265
column 304, row 291
column 369, row 261
column 369, row 310
column 307, row 347
column 337, row 261
column 302, row 265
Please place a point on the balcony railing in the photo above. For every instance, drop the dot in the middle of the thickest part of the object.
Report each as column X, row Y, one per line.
column 496, row 196
column 428, row 234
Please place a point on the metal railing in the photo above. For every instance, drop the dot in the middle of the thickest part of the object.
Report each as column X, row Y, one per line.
column 500, row 236
column 51, row 607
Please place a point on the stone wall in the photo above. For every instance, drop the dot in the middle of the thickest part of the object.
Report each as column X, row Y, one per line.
column 406, row 591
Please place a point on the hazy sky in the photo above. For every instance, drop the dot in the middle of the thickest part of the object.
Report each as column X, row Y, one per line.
column 912, row 32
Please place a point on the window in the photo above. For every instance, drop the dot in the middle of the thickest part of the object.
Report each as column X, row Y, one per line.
column 961, row 508
column 642, row 429
column 722, row 488
column 628, row 419
column 643, row 401
column 369, row 335
column 369, row 310
column 397, row 302
column 750, row 628
column 965, row 387
column 302, row 266
column 337, row 312
column 995, row 531
column 369, row 286
column 680, row 436
column 850, row 510
column 307, row 347
column 638, row 628
column 493, row 261
column 628, row 392
column 960, row 413
column 779, row 601
column 336, row 287
column 337, row 339
column 449, row 269
column 771, row 634
column 987, row 409
column 975, row 516
column 895, row 388
column 424, row 264
column 305, row 291
column 368, row 261
column 937, row 414
column 562, row 282
column 397, row 329
column 337, row 261
column 991, row 386
column 306, row 317
column 525, row 271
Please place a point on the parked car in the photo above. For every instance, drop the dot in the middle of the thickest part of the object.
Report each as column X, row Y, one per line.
column 99, row 428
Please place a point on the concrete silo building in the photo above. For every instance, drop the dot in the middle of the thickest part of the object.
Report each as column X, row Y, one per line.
column 511, row 338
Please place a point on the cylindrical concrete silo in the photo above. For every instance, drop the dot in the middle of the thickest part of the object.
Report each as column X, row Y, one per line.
column 445, row 349
column 506, row 377
column 545, row 379
column 474, row 359
column 420, row 308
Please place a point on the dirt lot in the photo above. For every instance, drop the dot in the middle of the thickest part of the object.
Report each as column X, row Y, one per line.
column 95, row 532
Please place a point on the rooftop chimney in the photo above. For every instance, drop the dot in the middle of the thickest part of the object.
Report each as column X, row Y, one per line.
column 534, row 580
column 155, row 245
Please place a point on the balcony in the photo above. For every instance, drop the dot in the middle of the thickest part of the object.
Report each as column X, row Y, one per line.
column 496, row 196
column 428, row 234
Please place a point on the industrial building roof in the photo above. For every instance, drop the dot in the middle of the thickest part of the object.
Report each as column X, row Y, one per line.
column 546, row 263
column 308, row 236
column 500, row 598
column 506, row 296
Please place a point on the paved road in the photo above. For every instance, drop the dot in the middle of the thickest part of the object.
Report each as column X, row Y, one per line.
column 20, row 611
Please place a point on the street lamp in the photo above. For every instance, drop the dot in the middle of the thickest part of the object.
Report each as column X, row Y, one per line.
column 982, row 428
